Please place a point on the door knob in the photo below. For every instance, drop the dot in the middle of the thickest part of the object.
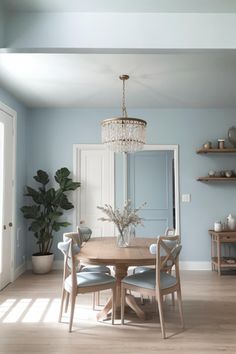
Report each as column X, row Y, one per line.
column 4, row 227
column 82, row 222
column 10, row 224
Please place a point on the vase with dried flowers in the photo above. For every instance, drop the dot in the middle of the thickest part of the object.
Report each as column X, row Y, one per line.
column 123, row 220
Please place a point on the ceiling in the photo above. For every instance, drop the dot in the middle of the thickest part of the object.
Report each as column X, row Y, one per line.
column 158, row 79
column 204, row 6
column 170, row 80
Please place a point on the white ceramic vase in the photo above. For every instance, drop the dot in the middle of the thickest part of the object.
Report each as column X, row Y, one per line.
column 231, row 221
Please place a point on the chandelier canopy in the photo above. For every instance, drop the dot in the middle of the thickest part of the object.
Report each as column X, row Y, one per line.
column 123, row 134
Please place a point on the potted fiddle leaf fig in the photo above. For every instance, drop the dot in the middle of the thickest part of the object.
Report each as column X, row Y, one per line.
column 45, row 212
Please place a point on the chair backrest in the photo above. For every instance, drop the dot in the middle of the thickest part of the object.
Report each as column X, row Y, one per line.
column 170, row 231
column 167, row 255
column 75, row 236
column 69, row 248
column 84, row 233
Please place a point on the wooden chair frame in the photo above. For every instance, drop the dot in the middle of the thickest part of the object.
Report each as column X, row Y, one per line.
column 163, row 264
column 72, row 290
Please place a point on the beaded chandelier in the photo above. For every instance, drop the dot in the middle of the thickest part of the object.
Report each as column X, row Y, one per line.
column 124, row 134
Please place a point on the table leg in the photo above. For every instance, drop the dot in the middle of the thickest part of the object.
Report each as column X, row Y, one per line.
column 120, row 273
column 212, row 253
column 219, row 256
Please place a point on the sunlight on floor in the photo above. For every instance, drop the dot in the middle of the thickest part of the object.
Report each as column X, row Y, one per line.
column 17, row 311
column 44, row 310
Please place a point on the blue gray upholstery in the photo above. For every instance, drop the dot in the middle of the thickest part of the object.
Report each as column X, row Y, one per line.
column 90, row 279
column 141, row 269
column 96, row 268
column 147, row 280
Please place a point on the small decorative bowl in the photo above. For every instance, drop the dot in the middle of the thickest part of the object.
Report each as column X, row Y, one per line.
column 211, row 173
column 228, row 173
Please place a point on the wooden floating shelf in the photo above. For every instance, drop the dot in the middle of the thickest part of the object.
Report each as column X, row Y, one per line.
column 216, row 151
column 216, row 179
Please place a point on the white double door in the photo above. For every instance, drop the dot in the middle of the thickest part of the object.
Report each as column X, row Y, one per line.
column 6, row 195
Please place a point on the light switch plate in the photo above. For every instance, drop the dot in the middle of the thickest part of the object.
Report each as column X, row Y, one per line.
column 186, row 198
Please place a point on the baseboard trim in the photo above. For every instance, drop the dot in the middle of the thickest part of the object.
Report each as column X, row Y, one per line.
column 19, row 270
column 188, row 265
column 184, row 265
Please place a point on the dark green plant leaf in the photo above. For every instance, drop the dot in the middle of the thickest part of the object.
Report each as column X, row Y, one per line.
column 42, row 177
column 69, row 185
column 61, row 174
column 31, row 212
column 35, row 226
column 65, row 204
column 49, row 197
column 35, row 195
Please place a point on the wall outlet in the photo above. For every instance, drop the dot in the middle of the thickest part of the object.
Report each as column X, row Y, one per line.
column 186, row 198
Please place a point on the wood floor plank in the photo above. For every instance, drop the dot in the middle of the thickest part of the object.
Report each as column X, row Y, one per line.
column 29, row 310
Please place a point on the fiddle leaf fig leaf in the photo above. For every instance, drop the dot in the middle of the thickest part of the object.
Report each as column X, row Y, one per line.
column 31, row 212
column 61, row 174
column 42, row 177
column 65, row 204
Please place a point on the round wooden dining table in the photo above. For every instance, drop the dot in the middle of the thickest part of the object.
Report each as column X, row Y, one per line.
column 103, row 250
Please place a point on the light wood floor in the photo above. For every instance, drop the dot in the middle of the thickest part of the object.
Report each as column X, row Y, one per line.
column 29, row 310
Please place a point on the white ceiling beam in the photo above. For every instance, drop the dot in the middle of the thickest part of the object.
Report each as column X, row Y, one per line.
column 144, row 31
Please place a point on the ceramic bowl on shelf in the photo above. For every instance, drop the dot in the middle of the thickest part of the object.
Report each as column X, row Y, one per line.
column 228, row 173
column 211, row 173
column 232, row 136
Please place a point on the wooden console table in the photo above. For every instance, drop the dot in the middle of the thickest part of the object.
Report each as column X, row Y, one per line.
column 217, row 239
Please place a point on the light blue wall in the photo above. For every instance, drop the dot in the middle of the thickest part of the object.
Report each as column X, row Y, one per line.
column 52, row 132
column 2, row 25
column 20, row 178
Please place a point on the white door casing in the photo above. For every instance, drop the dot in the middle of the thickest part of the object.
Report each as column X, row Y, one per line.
column 94, row 168
column 7, row 194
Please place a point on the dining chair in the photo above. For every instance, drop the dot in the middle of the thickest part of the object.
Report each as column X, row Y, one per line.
column 85, row 234
column 82, row 235
column 75, row 282
column 169, row 231
column 158, row 282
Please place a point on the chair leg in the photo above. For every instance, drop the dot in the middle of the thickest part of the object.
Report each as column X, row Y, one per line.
column 73, row 297
column 179, row 298
column 62, row 303
column 122, row 307
column 98, row 298
column 94, row 301
column 113, row 315
column 67, row 301
column 173, row 299
column 160, row 308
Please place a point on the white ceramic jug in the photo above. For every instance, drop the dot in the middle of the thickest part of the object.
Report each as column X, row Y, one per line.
column 231, row 221
column 218, row 226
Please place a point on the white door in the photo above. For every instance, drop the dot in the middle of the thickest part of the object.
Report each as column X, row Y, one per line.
column 94, row 168
column 6, row 203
